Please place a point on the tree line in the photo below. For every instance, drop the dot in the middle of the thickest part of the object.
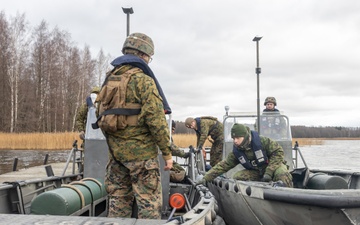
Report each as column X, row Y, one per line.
column 44, row 76
column 300, row 131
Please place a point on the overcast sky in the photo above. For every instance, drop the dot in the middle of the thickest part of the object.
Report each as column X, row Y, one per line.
column 205, row 57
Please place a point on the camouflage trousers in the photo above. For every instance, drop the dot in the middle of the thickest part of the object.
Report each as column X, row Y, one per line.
column 281, row 173
column 216, row 152
column 131, row 182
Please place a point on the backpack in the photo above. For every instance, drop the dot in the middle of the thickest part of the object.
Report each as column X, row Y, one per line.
column 114, row 113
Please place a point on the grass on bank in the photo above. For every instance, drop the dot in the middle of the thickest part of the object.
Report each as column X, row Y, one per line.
column 64, row 141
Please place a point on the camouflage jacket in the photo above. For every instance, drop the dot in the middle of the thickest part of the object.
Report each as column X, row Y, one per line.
column 273, row 150
column 176, row 151
column 209, row 126
column 141, row 142
column 81, row 116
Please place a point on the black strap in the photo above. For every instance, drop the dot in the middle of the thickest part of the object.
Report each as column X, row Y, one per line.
column 116, row 111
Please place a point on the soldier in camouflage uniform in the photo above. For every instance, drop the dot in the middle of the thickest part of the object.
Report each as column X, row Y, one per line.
column 208, row 126
column 266, row 164
column 177, row 173
column 133, row 173
column 271, row 123
column 81, row 116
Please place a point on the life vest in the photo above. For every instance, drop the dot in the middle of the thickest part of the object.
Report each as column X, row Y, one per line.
column 256, row 147
column 270, row 122
column 114, row 112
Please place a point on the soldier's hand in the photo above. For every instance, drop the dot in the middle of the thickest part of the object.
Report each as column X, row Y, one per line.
column 187, row 154
column 168, row 164
column 266, row 178
column 82, row 135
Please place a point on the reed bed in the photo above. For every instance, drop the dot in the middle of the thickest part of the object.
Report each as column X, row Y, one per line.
column 38, row 141
column 64, row 141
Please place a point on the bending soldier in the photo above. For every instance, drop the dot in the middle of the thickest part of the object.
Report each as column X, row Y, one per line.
column 208, row 126
column 262, row 158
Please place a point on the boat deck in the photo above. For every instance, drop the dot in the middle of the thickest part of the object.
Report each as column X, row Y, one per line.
column 35, row 172
column 46, row 219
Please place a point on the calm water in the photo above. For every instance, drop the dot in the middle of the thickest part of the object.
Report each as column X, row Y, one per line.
column 333, row 154
column 28, row 158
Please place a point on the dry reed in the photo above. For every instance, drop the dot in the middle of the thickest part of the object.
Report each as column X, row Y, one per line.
column 38, row 141
column 64, row 141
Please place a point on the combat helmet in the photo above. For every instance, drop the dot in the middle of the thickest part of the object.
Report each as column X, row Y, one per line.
column 140, row 42
column 270, row 99
column 95, row 89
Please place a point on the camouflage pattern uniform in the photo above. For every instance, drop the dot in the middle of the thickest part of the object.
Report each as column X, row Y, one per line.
column 80, row 120
column 136, row 174
column 210, row 126
column 133, row 173
column 272, row 126
column 276, row 168
column 81, row 116
column 177, row 172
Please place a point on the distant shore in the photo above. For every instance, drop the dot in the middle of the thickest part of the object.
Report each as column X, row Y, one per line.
column 64, row 141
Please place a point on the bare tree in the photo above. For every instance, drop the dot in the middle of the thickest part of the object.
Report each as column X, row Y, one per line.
column 19, row 43
column 102, row 66
column 4, row 67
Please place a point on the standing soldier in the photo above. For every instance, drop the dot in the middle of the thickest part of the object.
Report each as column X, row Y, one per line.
column 262, row 158
column 132, row 118
column 208, row 126
column 272, row 124
column 81, row 116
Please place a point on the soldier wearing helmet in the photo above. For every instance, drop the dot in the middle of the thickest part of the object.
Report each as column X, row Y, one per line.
column 270, row 103
column 131, row 112
column 81, row 116
column 262, row 158
column 272, row 124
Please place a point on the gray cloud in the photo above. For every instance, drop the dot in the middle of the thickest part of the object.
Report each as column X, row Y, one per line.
column 205, row 57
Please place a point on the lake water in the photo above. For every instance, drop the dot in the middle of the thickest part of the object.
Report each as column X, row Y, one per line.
column 333, row 154
column 29, row 158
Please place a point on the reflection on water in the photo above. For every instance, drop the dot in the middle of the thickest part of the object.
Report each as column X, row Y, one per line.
column 28, row 158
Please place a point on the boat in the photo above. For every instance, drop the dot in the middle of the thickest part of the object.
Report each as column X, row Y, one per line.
column 319, row 197
column 80, row 198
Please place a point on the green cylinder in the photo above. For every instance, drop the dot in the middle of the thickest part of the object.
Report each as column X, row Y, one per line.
column 61, row 201
column 324, row 182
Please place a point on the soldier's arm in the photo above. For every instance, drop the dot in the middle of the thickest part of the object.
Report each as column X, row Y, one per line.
column 81, row 118
column 221, row 167
column 275, row 154
column 153, row 113
column 176, row 151
column 204, row 132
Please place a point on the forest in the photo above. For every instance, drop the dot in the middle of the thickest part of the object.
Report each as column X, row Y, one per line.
column 45, row 77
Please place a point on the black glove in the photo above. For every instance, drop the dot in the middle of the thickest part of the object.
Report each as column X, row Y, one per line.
column 266, row 178
column 187, row 154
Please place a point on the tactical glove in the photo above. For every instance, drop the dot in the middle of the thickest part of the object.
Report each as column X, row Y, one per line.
column 187, row 154
column 266, row 178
